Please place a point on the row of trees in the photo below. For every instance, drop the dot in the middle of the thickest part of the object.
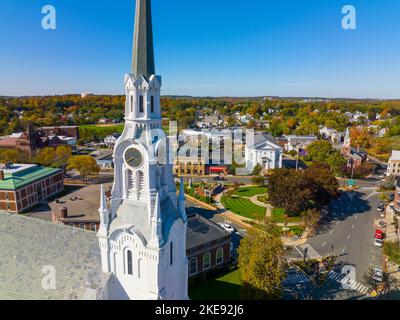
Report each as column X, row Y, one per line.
column 285, row 115
column 60, row 157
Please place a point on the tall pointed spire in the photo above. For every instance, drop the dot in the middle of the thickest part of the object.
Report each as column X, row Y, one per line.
column 143, row 50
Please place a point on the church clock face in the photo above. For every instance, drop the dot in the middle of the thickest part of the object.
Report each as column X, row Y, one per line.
column 133, row 157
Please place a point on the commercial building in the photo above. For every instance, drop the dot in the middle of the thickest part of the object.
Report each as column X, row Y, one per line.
column 394, row 164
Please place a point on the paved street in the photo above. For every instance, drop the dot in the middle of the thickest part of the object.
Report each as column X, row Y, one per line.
column 349, row 233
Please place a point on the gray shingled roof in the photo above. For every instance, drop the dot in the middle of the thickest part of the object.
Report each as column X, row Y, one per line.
column 27, row 245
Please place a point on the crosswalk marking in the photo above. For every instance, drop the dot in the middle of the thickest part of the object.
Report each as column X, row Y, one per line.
column 343, row 279
column 294, row 278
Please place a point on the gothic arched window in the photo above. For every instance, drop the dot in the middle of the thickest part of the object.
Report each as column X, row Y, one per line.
column 141, row 104
column 131, row 104
column 171, row 252
column 152, row 104
column 129, row 262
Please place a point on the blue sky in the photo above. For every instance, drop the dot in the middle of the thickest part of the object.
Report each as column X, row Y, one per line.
column 205, row 47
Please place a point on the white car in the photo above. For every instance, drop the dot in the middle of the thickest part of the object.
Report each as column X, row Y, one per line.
column 228, row 227
column 377, row 274
column 378, row 243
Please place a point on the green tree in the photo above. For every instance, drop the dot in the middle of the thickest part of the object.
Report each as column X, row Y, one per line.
column 256, row 170
column 382, row 288
column 14, row 156
column 46, row 156
column 258, row 180
column 85, row 165
column 322, row 151
column 62, row 155
column 262, row 263
column 291, row 190
column 326, row 183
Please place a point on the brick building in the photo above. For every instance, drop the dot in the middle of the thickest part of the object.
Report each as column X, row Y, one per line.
column 397, row 198
column 189, row 166
column 30, row 141
column 208, row 245
column 66, row 131
column 80, row 208
column 23, row 186
column 393, row 168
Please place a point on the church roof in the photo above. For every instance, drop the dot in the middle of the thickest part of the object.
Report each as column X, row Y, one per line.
column 143, row 50
column 140, row 219
column 28, row 245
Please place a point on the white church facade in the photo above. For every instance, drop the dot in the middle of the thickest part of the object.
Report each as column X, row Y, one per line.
column 142, row 233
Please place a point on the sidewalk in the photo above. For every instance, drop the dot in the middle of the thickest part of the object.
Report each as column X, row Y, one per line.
column 392, row 236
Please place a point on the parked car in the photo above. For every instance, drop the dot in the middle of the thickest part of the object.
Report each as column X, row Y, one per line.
column 378, row 243
column 391, row 197
column 379, row 234
column 228, row 227
column 377, row 274
column 380, row 208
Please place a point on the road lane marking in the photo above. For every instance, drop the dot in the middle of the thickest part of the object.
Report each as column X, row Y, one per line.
column 337, row 223
column 344, row 249
column 353, row 226
column 356, row 217
column 323, row 245
column 331, row 233
column 348, row 238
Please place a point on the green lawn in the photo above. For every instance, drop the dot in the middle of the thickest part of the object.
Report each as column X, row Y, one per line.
column 278, row 216
column 226, row 287
column 101, row 129
column 250, row 191
column 243, row 207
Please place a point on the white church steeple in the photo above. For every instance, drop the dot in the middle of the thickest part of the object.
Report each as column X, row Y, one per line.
column 143, row 244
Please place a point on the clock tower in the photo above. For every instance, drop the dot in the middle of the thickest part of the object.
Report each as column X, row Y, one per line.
column 142, row 234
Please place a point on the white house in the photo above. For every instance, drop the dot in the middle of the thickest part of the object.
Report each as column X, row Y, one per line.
column 263, row 150
column 111, row 140
column 331, row 134
column 295, row 143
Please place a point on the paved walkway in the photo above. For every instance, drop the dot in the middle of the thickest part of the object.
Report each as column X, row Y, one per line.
column 256, row 202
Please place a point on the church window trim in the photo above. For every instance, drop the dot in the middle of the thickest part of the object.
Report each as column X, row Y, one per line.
column 140, row 267
column 129, row 263
column 152, row 104
column 141, row 104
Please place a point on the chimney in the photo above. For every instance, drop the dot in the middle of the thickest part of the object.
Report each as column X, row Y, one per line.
column 1, row 175
column 64, row 212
